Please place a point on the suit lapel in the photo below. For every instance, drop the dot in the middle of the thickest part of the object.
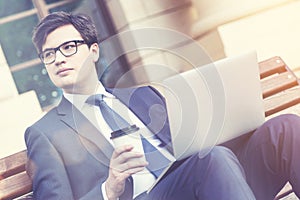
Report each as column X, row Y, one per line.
column 90, row 135
column 145, row 102
column 149, row 106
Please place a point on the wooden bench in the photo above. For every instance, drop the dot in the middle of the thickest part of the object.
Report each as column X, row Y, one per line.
column 280, row 88
column 14, row 182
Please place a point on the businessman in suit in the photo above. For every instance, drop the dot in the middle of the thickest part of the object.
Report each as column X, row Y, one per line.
column 71, row 155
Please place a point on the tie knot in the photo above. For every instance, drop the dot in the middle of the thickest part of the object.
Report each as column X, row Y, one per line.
column 113, row 119
column 95, row 99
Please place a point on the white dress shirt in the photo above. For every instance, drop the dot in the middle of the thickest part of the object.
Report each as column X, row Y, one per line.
column 142, row 180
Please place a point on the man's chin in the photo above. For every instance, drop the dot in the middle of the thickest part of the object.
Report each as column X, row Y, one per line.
column 67, row 87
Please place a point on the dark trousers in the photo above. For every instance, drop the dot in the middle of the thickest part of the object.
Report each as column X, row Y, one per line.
column 270, row 157
column 261, row 165
column 216, row 176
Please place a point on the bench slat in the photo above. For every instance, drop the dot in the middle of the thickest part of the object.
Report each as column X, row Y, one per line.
column 278, row 83
column 282, row 101
column 271, row 66
column 12, row 164
column 15, row 186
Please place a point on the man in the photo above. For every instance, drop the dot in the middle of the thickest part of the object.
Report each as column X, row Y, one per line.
column 72, row 157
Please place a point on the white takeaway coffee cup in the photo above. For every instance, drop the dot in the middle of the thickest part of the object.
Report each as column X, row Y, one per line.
column 128, row 136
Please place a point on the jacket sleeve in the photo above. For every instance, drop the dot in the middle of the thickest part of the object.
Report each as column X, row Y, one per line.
column 47, row 171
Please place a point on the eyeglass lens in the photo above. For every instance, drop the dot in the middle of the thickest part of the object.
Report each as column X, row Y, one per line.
column 67, row 49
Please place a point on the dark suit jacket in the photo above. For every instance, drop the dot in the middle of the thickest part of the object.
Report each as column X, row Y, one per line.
column 69, row 157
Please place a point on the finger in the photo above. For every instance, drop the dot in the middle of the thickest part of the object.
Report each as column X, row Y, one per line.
column 118, row 151
column 125, row 174
column 127, row 156
column 134, row 170
column 130, row 164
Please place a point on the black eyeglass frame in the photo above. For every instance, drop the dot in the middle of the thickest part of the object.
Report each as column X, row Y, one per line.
column 77, row 43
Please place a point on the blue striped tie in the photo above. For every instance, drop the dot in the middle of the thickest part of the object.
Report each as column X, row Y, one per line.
column 157, row 161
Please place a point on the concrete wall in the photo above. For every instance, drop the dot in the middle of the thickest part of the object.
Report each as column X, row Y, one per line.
column 157, row 35
column 18, row 111
column 7, row 85
column 196, row 20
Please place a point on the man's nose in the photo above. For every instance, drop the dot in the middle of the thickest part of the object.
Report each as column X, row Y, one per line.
column 59, row 57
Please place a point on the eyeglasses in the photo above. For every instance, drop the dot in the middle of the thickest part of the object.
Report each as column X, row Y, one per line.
column 67, row 49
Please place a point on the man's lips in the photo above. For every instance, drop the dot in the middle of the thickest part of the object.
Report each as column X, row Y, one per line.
column 61, row 71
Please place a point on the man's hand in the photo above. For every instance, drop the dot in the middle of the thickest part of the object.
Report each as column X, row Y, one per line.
column 124, row 162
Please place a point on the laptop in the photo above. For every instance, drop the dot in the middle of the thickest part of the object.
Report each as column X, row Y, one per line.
column 212, row 104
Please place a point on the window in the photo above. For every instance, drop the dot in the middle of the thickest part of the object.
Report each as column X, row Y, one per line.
column 15, row 39
column 14, row 7
column 17, row 19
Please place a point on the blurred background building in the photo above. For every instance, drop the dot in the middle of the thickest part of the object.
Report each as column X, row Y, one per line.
column 220, row 27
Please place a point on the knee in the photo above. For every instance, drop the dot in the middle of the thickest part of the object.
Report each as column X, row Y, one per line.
column 220, row 153
column 289, row 120
column 221, row 158
column 278, row 130
column 292, row 120
column 288, row 124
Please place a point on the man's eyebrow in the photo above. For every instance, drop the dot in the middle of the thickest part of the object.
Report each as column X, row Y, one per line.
column 47, row 49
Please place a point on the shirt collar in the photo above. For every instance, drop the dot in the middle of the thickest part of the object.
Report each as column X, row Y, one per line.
column 78, row 100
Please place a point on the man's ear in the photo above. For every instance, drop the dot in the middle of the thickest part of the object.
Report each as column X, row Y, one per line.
column 95, row 51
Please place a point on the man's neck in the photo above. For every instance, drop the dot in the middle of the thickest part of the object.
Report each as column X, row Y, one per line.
column 84, row 90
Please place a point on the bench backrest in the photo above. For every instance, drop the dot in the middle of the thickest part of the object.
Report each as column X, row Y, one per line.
column 14, row 181
column 280, row 90
column 280, row 86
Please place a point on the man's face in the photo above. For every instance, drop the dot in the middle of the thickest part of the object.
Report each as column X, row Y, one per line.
column 75, row 73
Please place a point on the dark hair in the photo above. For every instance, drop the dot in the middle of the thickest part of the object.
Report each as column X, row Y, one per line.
column 82, row 23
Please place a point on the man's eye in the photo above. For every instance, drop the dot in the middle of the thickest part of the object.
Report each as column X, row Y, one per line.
column 68, row 46
column 48, row 54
